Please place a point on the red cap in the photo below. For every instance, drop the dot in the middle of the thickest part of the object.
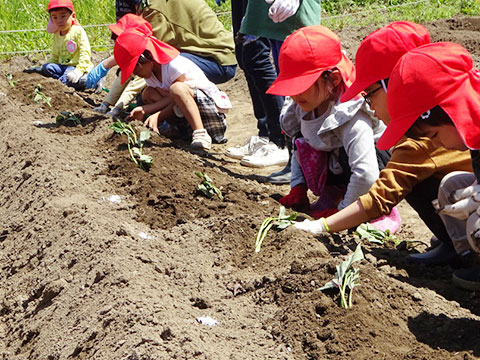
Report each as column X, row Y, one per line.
column 305, row 55
column 379, row 52
column 132, row 43
column 435, row 74
column 55, row 4
column 129, row 21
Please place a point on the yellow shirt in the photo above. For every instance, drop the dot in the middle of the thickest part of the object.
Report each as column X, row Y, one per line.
column 412, row 162
column 73, row 49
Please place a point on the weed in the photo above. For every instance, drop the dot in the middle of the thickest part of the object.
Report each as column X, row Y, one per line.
column 66, row 117
column 282, row 221
column 207, row 187
column 135, row 145
column 10, row 80
column 346, row 276
column 38, row 95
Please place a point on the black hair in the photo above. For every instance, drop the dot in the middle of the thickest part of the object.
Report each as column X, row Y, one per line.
column 436, row 116
column 60, row 7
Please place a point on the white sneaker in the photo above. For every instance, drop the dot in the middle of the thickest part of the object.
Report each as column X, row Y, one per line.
column 267, row 155
column 201, row 140
column 252, row 145
column 102, row 108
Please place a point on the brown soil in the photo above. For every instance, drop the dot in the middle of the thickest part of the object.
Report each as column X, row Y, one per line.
column 86, row 278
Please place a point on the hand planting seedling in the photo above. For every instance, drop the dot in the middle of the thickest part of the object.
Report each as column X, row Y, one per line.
column 282, row 221
column 38, row 95
column 66, row 117
column 207, row 187
column 346, row 276
column 135, row 145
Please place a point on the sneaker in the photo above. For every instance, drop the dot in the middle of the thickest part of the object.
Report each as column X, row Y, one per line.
column 201, row 140
column 468, row 279
column 267, row 155
column 252, row 145
column 102, row 108
column 280, row 177
column 114, row 113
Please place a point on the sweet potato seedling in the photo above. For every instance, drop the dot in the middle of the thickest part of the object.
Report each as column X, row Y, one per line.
column 282, row 221
column 135, row 145
column 207, row 187
column 374, row 235
column 38, row 95
column 10, row 80
column 68, row 118
column 346, row 277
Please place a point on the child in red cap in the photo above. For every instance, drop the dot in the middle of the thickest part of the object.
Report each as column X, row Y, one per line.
column 70, row 59
column 335, row 153
column 376, row 56
column 442, row 90
column 175, row 85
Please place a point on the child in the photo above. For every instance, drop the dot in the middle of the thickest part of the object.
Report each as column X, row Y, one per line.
column 121, row 95
column 174, row 85
column 418, row 183
column 335, row 153
column 442, row 88
column 70, row 58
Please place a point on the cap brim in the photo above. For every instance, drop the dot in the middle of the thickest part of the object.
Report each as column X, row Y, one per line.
column 116, row 29
column 286, row 86
column 356, row 88
column 394, row 132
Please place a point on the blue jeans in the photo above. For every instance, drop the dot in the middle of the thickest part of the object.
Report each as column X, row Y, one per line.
column 254, row 59
column 60, row 72
column 216, row 73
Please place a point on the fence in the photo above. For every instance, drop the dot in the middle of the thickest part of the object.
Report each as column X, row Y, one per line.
column 376, row 15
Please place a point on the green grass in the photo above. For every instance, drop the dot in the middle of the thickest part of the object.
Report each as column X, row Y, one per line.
column 31, row 14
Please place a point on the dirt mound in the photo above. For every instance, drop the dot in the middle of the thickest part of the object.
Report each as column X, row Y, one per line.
column 101, row 260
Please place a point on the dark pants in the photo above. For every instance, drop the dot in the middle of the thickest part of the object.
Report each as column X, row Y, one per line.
column 215, row 72
column 60, row 72
column 253, row 57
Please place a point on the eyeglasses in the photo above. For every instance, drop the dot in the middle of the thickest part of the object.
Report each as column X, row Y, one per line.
column 368, row 95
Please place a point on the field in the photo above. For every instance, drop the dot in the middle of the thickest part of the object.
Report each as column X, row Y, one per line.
column 101, row 260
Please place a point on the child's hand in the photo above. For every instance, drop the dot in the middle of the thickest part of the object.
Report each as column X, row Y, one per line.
column 94, row 76
column 73, row 77
column 315, row 227
column 137, row 113
column 152, row 122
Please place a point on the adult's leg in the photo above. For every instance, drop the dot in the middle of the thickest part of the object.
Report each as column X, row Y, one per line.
column 215, row 72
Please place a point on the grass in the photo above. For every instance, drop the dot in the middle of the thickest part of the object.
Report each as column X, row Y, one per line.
column 31, row 14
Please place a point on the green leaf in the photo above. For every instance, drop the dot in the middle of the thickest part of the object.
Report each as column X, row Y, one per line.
column 374, row 235
column 281, row 222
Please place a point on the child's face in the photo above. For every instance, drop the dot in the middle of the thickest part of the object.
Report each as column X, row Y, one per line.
column 378, row 102
column 313, row 97
column 62, row 18
column 445, row 135
column 143, row 69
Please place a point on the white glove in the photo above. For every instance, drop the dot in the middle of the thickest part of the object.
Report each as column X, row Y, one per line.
column 464, row 193
column 282, row 9
column 313, row 226
column 462, row 208
column 73, row 77
column 473, row 231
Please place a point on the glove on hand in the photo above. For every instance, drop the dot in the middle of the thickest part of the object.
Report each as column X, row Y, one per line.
column 462, row 208
column 97, row 73
column 219, row 2
column 317, row 214
column 473, row 231
column 297, row 199
column 73, row 77
column 281, row 10
column 315, row 227
column 464, row 193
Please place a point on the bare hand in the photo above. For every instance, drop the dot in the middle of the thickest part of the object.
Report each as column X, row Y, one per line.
column 137, row 113
column 152, row 122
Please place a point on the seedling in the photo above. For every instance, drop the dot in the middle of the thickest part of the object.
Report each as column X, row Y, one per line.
column 282, row 221
column 10, row 79
column 206, row 186
column 38, row 95
column 374, row 235
column 66, row 117
column 346, row 277
column 135, row 145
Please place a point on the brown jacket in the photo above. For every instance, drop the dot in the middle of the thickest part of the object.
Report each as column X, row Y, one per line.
column 412, row 162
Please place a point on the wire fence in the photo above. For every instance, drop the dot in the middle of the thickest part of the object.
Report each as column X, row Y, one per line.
column 378, row 10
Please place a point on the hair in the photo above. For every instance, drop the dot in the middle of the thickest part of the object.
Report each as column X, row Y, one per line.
column 436, row 116
column 335, row 91
column 59, row 8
